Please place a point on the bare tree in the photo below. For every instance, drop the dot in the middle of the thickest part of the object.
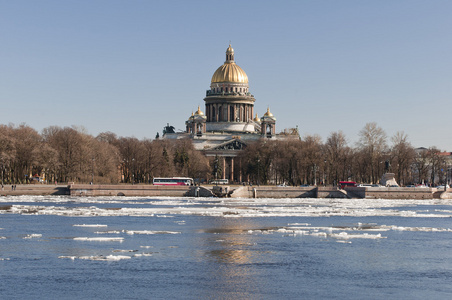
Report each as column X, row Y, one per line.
column 70, row 146
column 436, row 161
column 7, row 153
column 311, row 158
column 372, row 143
column 420, row 167
column 336, row 151
column 402, row 156
column 27, row 142
column 131, row 152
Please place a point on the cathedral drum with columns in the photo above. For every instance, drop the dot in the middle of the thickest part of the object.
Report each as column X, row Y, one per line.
column 229, row 104
column 227, row 125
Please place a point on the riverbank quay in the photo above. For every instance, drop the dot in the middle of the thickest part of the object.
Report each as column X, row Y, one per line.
column 234, row 191
column 138, row 190
column 263, row 191
column 34, row 190
column 347, row 193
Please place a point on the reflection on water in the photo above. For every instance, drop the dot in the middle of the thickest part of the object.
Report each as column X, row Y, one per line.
column 232, row 252
column 230, row 243
column 193, row 250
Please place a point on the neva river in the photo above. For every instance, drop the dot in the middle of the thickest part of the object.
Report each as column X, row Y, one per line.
column 174, row 248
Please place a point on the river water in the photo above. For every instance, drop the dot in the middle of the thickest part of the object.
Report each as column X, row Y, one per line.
column 197, row 248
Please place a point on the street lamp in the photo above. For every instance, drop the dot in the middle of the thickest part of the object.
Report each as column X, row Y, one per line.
column 92, row 171
column 2, row 172
column 315, row 174
column 133, row 171
column 258, row 167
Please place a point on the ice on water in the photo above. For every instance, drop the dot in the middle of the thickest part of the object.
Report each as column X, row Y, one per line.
column 99, row 257
column 228, row 208
column 33, row 236
column 236, row 208
column 99, row 239
column 89, row 225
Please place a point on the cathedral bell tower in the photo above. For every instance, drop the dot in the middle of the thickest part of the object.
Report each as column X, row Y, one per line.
column 196, row 124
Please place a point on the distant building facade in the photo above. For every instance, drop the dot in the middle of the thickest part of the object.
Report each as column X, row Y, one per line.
column 229, row 123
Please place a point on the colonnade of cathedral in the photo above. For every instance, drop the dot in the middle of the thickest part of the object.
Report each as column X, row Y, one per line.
column 229, row 112
column 228, row 169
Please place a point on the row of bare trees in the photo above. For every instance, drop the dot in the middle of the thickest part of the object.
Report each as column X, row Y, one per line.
column 70, row 154
column 309, row 161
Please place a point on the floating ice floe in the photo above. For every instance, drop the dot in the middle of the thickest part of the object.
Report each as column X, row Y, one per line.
column 424, row 229
column 142, row 254
column 346, row 232
column 33, row 236
column 99, row 239
column 99, row 257
column 347, row 236
column 150, row 232
column 232, row 207
column 89, row 225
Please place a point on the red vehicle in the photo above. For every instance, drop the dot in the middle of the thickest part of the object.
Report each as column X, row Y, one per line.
column 173, row 181
column 343, row 184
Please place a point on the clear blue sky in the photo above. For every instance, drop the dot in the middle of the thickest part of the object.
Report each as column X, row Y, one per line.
column 130, row 67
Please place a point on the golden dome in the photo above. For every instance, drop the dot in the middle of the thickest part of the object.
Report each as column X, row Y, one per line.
column 268, row 113
column 229, row 71
column 256, row 119
column 199, row 112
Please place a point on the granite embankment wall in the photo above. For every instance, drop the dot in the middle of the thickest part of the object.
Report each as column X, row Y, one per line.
column 397, row 193
column 138, row 190
column 236, row 191
column 34, row 190
column 273, row 192
column 333, row 192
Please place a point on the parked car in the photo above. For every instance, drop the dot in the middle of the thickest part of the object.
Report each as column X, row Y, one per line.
column 441, row 187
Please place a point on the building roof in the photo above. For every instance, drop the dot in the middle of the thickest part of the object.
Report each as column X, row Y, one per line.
column 229, row 71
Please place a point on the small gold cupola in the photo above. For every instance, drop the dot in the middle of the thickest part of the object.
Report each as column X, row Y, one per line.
column 268, row 113
column 199, row 112
column 257, row 119
column 229, row 55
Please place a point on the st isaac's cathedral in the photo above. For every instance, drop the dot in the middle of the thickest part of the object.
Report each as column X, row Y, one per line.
column 229, row 122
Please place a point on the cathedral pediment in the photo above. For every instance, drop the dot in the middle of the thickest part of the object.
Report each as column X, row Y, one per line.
column 231, row 145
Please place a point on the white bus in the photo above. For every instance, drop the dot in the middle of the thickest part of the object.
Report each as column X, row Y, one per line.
column 172, row 181
column 219, row 181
